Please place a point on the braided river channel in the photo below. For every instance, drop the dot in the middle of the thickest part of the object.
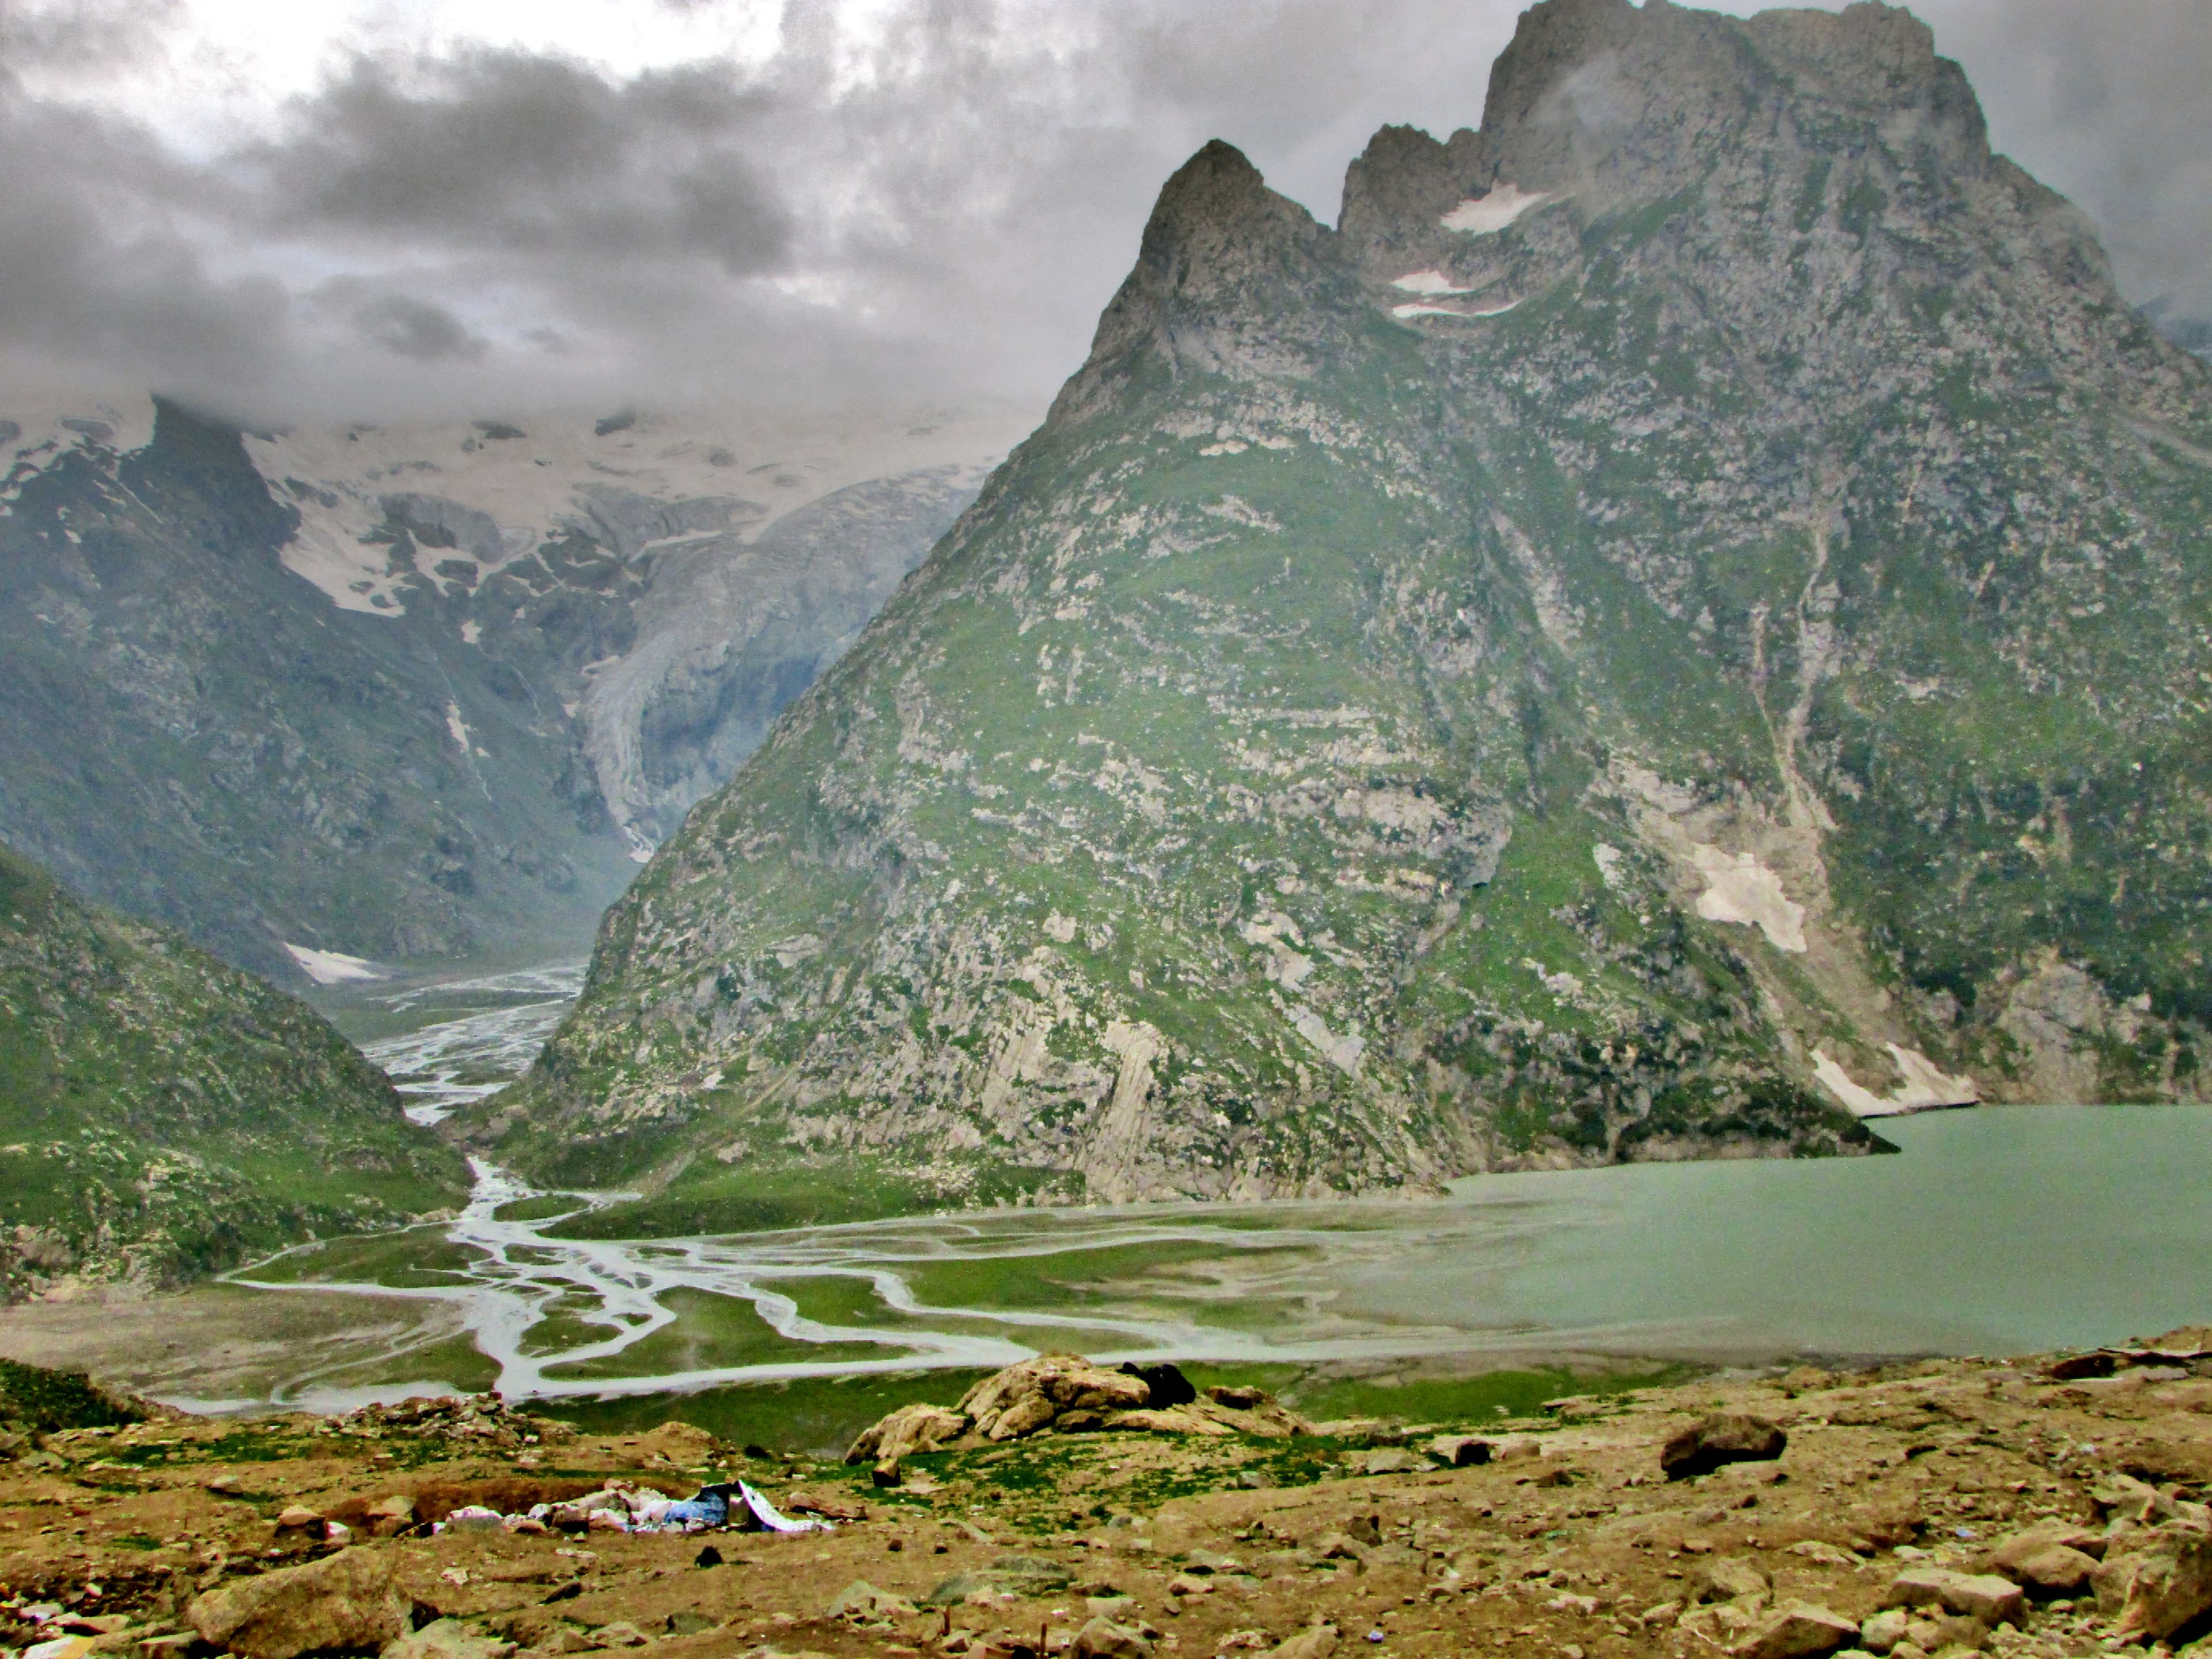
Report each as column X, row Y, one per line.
column 1998, row 1230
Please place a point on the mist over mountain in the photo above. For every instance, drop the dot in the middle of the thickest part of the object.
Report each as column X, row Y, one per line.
column 335, row 698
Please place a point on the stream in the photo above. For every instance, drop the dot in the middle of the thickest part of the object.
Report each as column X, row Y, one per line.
column 2002, row 1230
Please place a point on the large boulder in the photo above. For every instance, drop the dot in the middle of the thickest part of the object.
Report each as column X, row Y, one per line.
column 1718, row 1438
column 1799, row 1631
column 1024, row 1398
column 1982, row 1595
column 909, row 1430
column 2163, row 1582
column 343, row 1603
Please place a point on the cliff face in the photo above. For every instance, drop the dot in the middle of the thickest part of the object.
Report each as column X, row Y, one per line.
column 167, row 1116
column 1682, row 623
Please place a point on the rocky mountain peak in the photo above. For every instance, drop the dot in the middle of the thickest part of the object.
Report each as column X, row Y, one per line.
column 1222, row 260
column 1601, row 96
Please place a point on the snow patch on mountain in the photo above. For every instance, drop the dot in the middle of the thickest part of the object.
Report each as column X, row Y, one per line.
column 1484, row 215
column 37, row 430
column 332, row 967
column 525, row 481
column 1925, row 1088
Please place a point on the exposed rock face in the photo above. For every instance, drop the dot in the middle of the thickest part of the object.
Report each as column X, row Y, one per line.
column 1685, row 615
column 340, row 1604
column 162, row 1106
column 420, row 693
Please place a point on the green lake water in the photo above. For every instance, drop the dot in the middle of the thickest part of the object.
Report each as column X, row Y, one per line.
column 1997, row 1231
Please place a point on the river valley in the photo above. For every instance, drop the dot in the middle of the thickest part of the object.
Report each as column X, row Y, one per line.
column 1995, row 1231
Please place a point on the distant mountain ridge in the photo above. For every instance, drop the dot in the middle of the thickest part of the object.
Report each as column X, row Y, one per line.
column 1682, row 624
column 423, row 693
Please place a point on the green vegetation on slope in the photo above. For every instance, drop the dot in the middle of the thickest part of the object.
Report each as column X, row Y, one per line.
column 165, row 1117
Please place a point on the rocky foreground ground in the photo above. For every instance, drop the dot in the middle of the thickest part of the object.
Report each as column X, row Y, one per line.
column 2044, row 1508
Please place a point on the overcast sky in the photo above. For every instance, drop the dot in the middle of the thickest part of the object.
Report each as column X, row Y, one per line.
column 379, row 208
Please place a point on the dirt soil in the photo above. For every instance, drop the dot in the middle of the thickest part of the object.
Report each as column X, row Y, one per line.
column 1205, row 1546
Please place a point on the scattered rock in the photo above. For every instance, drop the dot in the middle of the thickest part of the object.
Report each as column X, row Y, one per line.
column 297, row 1518
column 1731, row 1578
column 2163, row 1584
column 1884, row 1629
column 1720, row 1439
column 687, row 1621
column 446, row 1638
column 1015, row 1574
column 684, row 1444
column 1797, row 1630
column 1392, row 1459
column 1975, row 1596
column 1516, row 1447
column 388, row 1517
column 1101, row 1638
column 621, row 1634
column 1316, row 1640
column 862, row 1601
column 344, row 1601
column 1239, row 1400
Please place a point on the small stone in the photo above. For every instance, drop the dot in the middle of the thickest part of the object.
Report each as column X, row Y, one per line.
column 886, row 1473
column 623, row 1634
column 1884, row 1631
column 297, row 1518
column 687, row 1621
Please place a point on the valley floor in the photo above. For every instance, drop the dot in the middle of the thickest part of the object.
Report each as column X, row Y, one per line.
column 1194, row 1546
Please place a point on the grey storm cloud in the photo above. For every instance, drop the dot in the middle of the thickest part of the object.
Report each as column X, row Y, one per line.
column 533, row 156
column 402, row 324
column 941, row 211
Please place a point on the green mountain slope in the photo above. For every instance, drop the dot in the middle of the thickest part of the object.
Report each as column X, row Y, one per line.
column 163, row 1115
column 1684, row 615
